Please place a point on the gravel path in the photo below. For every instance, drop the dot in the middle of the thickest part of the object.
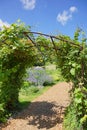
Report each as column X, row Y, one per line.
column 45, row 112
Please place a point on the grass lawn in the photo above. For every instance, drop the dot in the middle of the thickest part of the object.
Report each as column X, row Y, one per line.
column 27, row 95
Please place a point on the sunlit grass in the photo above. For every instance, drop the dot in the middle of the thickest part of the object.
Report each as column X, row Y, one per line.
column 26, row 96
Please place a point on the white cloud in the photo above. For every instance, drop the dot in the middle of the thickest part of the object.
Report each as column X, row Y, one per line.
column 4, row 24
column 28, row 4
column 73, row 9
column 65, row 16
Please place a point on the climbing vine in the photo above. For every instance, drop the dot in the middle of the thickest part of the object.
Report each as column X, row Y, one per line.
column 16, row 54
column 72, row 61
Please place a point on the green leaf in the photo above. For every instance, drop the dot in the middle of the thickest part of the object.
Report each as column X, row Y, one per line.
column 74, row 64
column 72, row 71
column 77, row 101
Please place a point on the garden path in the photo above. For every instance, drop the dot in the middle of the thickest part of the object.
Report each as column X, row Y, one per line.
column 45, row 113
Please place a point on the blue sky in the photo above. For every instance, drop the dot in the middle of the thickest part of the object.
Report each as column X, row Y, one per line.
column 46, row 16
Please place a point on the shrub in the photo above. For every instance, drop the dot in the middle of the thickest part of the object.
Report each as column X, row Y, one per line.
column 38, row 76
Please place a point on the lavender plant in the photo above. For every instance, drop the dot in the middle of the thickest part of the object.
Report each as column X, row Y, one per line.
column 38, row 76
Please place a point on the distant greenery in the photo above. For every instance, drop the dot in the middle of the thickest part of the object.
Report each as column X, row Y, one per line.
column 55, row 72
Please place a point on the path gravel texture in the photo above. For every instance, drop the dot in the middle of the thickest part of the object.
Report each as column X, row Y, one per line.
column 45, row 113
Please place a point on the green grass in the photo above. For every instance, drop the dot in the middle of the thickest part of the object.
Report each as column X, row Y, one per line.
column 70, row 119
column 27, row 95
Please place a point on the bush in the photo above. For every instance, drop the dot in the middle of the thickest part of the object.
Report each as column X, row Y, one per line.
column 4, row 114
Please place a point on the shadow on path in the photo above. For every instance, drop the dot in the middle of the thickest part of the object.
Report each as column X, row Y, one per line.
column 43, row 114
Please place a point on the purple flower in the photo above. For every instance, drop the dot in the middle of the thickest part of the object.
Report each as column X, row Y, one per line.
column 38, row 76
